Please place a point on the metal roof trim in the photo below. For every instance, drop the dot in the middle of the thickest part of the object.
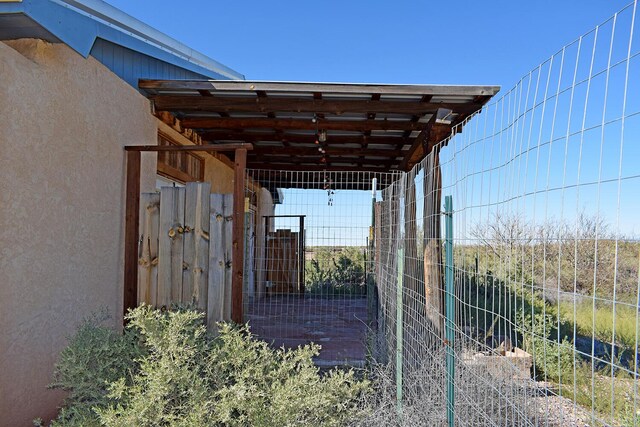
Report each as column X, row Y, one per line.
column 78, row 23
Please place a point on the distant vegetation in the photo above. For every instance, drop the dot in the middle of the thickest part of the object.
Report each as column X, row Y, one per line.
column 551, row 288
column 336, row 272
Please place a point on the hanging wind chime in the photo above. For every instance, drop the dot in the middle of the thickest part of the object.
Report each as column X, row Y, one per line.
column 321, row 141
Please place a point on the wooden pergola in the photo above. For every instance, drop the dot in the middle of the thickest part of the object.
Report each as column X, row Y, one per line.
column 295, row 126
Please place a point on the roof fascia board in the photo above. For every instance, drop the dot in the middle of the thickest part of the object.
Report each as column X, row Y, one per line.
column 55, row 16
column 124, row 22
column 11, row 7
column 76, row 31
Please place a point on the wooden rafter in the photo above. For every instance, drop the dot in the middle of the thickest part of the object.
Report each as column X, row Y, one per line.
column 266, row 123
column 255, row 137
column 263, row 104
column 204, row 148
column 424, row 142
column 378, row 125
column 330, row 150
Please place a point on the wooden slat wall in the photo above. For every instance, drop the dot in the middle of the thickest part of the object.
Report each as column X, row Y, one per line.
column 249, row 250
column 148, row 263
column 215, row 300
column 283, row 262
column 186, row 253
column 196, row 244
column 227, row 210
column 171, row 248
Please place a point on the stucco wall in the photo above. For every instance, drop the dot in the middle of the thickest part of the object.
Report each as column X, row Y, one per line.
column 64, row 120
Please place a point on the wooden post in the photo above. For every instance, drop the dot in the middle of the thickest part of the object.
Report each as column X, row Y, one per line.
column 411, row 246
column 301, row 257
column 238, row 235
column 131, row 230
column 434, row 289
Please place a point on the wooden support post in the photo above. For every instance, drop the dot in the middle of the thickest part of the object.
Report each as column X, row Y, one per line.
column 434, row 289
column 238, row 236
column 410, row 246
column 131, row 231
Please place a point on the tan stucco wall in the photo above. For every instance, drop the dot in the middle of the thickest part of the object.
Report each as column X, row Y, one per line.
column 64, row 120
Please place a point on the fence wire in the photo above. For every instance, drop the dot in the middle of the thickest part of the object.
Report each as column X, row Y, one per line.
column 544, row 182
column 310, row 275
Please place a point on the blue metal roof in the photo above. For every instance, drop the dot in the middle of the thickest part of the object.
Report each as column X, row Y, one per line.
column 130, row 48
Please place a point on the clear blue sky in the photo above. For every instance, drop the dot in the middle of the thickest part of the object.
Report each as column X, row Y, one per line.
column 427, row 42
column 465, row 42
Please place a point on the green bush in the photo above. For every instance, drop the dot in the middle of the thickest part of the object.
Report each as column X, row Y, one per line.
column 95, row 357
column 553, row 358
column 174, row 374
column 336, row 274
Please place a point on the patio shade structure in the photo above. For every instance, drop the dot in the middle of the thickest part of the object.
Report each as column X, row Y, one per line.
column 297, row 126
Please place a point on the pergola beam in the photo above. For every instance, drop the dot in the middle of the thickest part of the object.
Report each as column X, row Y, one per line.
column 205, row 148
column 152, row 86
column 270, row 105
column 329, row 150
column 255, row 137
column 424, row 142
column 266, row 123
column 315, row 167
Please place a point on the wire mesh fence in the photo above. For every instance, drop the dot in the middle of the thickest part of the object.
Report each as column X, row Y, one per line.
column 519, row 305
column 313, row 262
column 542, row 312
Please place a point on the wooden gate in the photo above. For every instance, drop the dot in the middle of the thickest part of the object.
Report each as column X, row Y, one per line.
column 284, row 263
column 186, row 249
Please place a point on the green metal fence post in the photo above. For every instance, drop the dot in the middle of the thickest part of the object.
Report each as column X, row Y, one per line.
column 449, row 309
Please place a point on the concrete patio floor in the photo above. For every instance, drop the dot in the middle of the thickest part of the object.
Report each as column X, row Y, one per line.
column 338, row 325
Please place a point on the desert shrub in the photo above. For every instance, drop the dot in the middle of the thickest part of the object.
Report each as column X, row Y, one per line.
column 339, row 273
column 180, row 375
column 553, row 358
column 95, row 357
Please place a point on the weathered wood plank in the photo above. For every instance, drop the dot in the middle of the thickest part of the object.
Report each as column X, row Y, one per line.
column 249, row 242
column 148, row 262
column 216, row 294
column 170, row 245
column 227, row 209
column 196, row 244
column 433, row 277
column 131, row 229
